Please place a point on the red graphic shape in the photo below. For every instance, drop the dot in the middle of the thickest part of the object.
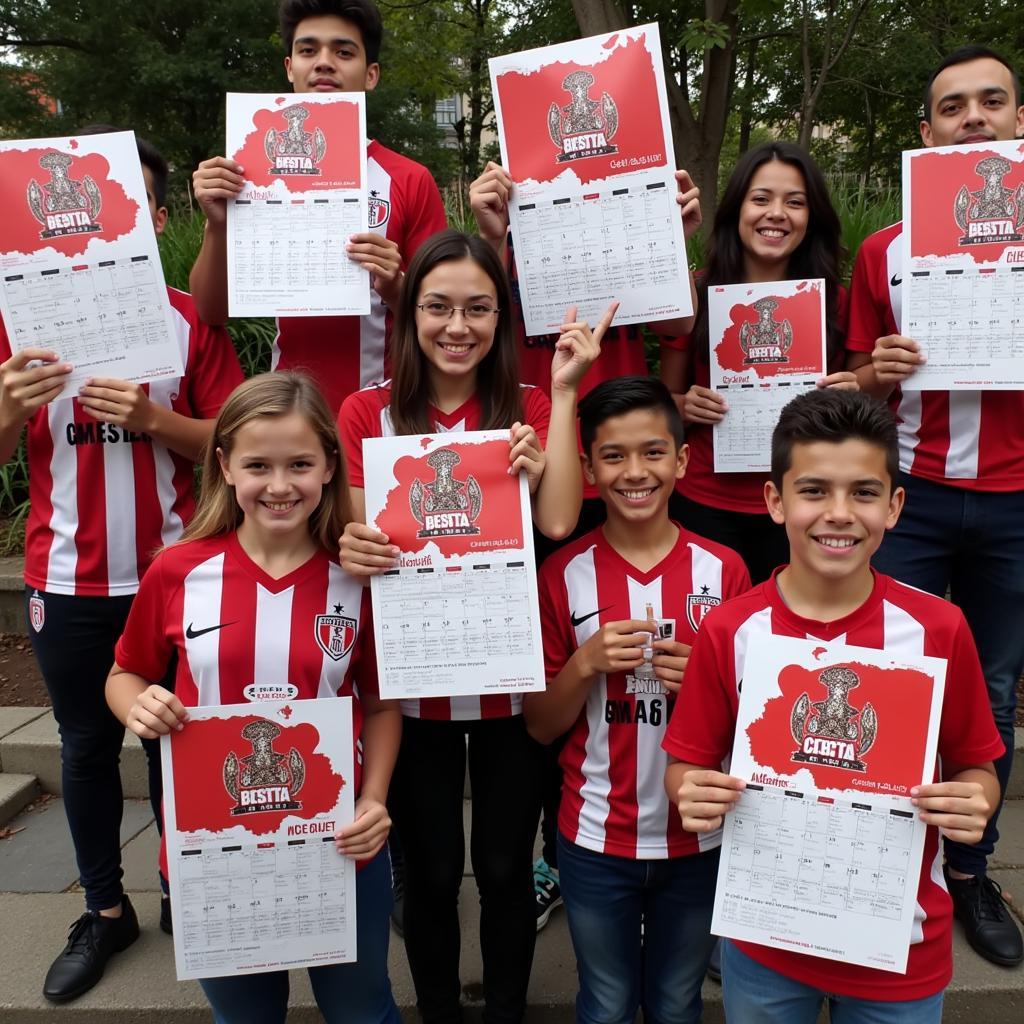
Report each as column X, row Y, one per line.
column 201, row 799
column 117, row 215
column 802, row 310
column 901, row 698
column 340, row 165
column 935, row 180
column 628, row 78
column 499, row 518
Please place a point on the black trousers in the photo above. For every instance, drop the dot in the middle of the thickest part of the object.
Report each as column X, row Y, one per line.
column 75, row 651
column 427, row 796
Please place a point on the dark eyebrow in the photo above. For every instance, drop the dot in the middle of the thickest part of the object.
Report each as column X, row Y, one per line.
column 339, row 41
column 820, row 481
column 991, row 90
column 472, row 298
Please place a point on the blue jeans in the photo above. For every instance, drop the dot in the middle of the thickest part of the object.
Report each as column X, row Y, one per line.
column 971, row 542
column 607, row 899
column 357, row 993
column 755, row 994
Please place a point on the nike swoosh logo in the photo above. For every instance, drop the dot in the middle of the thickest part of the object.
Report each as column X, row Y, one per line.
column 193, row 633
column 583, row 618
column 895, row 281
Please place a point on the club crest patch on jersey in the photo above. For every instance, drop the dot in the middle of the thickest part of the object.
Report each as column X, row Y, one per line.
column 995, row 212
column 36, row 612
column 379, row 210
column 833, row 732
column 263, row 780
column 293, row 150
column 584, row 127
column 446, row 506
column 335, row 634
column 767, row 340
column 698, row 605
column 64, row 205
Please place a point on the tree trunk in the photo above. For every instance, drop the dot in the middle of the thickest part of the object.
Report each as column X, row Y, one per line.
column 746, row 115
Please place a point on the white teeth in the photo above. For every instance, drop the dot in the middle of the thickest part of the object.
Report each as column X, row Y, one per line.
column 638, row 495
column 836, row 542
column 279, row 506
column 772, row 233
column 457, row 349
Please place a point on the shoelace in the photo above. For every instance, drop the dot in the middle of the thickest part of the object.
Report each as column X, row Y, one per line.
column 991, row 906
column 78, row 935
column 544, row 879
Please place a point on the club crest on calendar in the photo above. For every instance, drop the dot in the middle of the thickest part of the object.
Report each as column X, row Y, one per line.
column 63, row 205
column 263, row 780
column 379, row 210
column 995, row 212
column 768, row 340
column 446, row 506
column 584, row 127
column 335, row 634
column 293, row 150
column 698, row 605
column 833, row 732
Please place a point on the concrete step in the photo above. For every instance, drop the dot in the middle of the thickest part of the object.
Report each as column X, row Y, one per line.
column 16, row 792
column 33, row 748
column 29, row 744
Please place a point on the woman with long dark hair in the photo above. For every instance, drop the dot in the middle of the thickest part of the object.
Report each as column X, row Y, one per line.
column 775, row 222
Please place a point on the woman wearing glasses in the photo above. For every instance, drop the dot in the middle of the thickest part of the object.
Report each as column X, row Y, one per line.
column 454, row 366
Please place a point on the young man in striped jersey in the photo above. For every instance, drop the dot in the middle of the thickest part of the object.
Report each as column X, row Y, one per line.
column 962, row 460
column 833, row 486
column 110, row 482
column 619, row 610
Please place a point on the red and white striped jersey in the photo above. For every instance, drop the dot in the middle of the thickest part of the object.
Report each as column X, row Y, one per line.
column 345, row 353
column 365, row 414
column 903, row 622
column 968, row 439
column 613, row 796
column 105, row 499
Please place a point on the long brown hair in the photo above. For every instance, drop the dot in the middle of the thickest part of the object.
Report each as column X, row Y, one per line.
column 271, row 394
column 497, row 376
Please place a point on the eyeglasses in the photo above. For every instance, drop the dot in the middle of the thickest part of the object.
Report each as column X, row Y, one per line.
column 478, row 311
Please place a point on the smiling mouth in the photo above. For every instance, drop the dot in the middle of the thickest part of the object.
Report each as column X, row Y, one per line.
column 456, row 349
column 772, row 233
column 279, row 506
column 637, row 494
column 837, row 543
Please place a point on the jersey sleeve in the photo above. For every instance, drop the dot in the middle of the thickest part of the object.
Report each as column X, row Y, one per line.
column 866, row 308
column 537, row 412
column 681, row 343
column 736, row 578
column 213, row 370
column 145, row 647
column 558, row 638
column 5, row 343
column 425, row 216
column 967, row 730
column 354, row 424
column 706, row 738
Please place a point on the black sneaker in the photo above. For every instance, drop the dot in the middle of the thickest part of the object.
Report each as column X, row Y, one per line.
column 166, row 924
column 714, row 971
column 546, row 890
column 92, row 940
column 989, row 927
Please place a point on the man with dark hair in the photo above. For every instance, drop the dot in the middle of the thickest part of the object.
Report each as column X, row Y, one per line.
column 962, row 457
column 332, row 45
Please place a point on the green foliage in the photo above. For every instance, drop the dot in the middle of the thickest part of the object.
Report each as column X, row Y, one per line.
column 863, row 210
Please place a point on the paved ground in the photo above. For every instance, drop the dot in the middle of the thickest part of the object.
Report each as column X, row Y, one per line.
column 39, row 898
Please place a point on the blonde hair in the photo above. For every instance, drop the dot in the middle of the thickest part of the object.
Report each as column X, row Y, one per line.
column 271, row 394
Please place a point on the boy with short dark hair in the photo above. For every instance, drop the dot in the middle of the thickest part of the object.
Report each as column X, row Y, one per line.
column 833, row 486
column 331, row 46
column 619, row 609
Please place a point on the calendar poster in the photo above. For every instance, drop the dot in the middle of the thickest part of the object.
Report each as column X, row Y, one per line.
column 304, row 197
column 80, row 271
column 460, row 614
column 585, row 135
column 822, row 853
column 767, row 346
column 253, row 795
column 963, row 266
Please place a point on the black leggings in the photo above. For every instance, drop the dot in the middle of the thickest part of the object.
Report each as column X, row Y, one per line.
column 427, row 796
column 75, row 651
